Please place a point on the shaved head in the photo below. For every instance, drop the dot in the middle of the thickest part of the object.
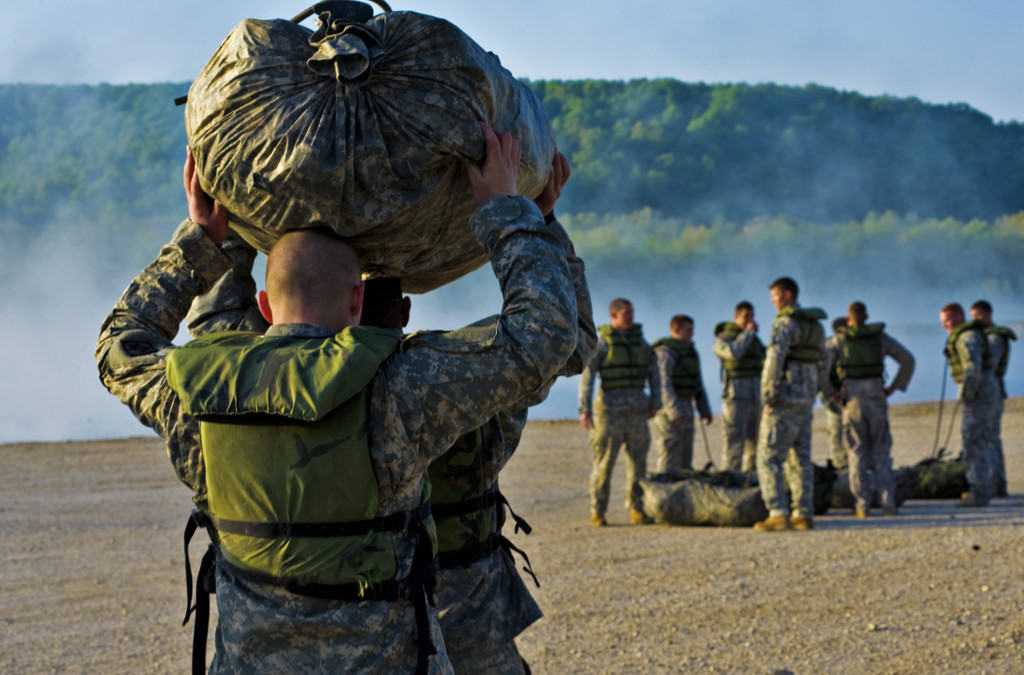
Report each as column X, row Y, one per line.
column 313, row 277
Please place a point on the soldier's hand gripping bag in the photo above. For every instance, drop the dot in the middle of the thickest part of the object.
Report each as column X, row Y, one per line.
column 364, row 128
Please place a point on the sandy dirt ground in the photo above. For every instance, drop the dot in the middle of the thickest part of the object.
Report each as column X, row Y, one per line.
column 92, row 578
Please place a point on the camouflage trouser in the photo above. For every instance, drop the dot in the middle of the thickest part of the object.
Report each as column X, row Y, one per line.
column 978, row 434
column 998, row 460
column 482, row 608
column 673, row 443
column 786, row 426
column 834, row 421
column 613, row 429
column 740, row 418
column 869, row 448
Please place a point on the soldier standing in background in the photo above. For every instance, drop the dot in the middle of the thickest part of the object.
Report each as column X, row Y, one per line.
column 970, row 363
column 999, row 344
column 856, row 356
column 833, row 410
column 789, row 383
column 742, row 355
column 681, row 386
column 619, row 416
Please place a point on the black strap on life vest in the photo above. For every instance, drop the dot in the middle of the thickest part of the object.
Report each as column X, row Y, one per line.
column 468, row 555
column 418, row 587
column 396, row 522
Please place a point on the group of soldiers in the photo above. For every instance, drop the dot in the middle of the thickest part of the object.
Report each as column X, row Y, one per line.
column 768, row 393
column 306, row 423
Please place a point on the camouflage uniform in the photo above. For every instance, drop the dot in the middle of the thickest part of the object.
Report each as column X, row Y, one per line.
column 673, row 443
column 741, row 405
column 432, row 389
column 981, row 399
column 999, row 346
column 865, row 419
column 788, row 388
column 620, row 419
column 484, row 605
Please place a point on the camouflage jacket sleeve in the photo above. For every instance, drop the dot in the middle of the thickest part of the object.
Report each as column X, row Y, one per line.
column 231, row 303
column 588, row 377
column 970, row 348
column 670, row 403
column 902, row 355
column 831, row 357
column 507, row 430
column 654, row 379
column 136, row 337
column 441, row 385
column 734, row 348
column 586, row 335
column 785, row 333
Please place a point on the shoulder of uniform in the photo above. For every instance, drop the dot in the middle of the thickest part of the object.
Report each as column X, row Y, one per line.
column 1002, row 331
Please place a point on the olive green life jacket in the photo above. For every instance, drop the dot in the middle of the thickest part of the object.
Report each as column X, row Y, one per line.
column 290, row 485
column 861, row 356
column 686, row 372
column 956, row 366
column 812, row 334
column 468, row 510
column 627, row 362
column 751, row 363
column 1006, row 334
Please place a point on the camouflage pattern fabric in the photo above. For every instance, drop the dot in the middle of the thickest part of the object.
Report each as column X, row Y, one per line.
column 867, row 438
column 740, row 420
column 741, row 406
column 996, row 345
column 614, row 429
column 869, row 442
column 784, row 489
column 485, row 605
column 380, row 116
column 433, row 389
column 482, row 608
column 788, row 389
column 696, row 500
column 620, row 419
column 673, row 443
column 834, row 426
column 980, row 397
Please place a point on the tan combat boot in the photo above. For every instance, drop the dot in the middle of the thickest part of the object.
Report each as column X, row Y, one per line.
column 861, row 513
column 801, row 523
column 597, row 520
column 970, row 500
column 636, row 517
column 772, row 524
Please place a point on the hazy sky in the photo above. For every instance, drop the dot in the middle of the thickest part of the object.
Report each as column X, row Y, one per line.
column 939, row 51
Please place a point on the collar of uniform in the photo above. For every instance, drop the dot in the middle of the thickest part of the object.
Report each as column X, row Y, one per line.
column 298, row 330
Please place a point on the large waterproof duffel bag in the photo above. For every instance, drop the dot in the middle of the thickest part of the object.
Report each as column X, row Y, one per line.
column 363, row 126
column 701, row 499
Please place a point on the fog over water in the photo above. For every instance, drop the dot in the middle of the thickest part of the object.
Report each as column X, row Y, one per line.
column 55, row 302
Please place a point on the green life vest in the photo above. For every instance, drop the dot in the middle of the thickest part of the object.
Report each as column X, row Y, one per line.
column 861, row 347
column 751, row 363
column 1006, row 334
column 290, row 485
column 956, row 366
column 466, row 507
column 812, row 334
column 686, row 372
column 626, row 364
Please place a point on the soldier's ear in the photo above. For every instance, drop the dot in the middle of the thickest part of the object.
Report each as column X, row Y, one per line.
column 263, row 302
column 406, row 307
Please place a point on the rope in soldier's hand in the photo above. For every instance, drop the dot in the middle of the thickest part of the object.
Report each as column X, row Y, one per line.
column 949, row 434
column 942, row 400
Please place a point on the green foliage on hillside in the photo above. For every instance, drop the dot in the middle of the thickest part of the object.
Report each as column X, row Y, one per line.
column 662, row 170
column 737, row 151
